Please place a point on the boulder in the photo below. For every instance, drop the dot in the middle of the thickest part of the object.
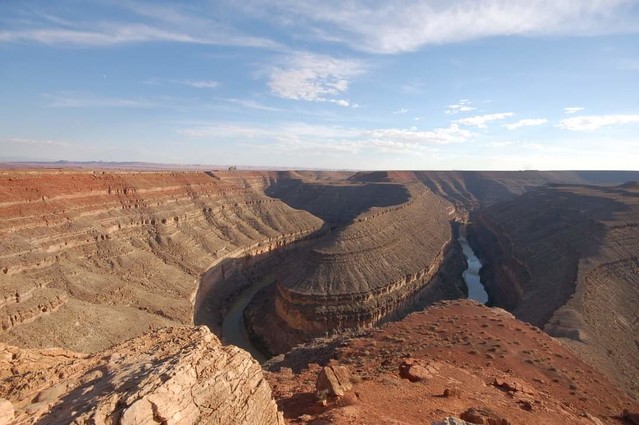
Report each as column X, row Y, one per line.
column 334, row 381
column 414, row 371
column 452, row 392
column 451, row 420
column 483, row 416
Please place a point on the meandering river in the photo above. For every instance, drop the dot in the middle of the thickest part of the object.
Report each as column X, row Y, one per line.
column 234, row 329
column 476, row 290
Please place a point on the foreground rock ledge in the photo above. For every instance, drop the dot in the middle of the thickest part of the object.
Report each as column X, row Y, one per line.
column 170, row 376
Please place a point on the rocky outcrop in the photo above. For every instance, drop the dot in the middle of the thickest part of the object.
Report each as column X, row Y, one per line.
column 505, row 369
column 171, row 376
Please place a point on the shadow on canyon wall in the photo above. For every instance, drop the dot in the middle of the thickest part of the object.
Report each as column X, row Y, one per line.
column 337, row 203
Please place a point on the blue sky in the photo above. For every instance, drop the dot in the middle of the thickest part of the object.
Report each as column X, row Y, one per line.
column 467, row 84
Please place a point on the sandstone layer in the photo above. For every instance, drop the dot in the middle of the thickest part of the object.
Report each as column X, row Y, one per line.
column 565, row 258
column 91, row 258
column 170, row 376
column 377, row 262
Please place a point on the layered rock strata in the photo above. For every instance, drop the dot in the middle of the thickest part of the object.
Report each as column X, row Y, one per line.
column 91, row 258
column 171, row 376
column 375, row 268
column 565, row 258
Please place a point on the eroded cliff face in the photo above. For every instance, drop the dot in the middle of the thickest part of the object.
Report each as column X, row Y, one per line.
column 374, row 268
column 171, row 376
column 565, row 259
column 89, row 259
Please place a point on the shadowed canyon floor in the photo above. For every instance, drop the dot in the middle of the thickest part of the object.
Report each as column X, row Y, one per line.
column 89, row 259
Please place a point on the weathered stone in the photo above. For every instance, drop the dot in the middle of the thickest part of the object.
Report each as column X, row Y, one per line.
column 413, row 371
column 6, row 411
column 483, row 416
column 333, row 381
column 451, row 420
column 452, row 392
column 513, row 385
column 172, row 376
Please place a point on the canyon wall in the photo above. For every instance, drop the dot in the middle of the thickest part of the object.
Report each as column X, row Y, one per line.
column 565, row 258
column 371, row 268
column 91, row 258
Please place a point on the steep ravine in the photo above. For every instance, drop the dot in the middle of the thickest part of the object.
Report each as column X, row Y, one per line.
column 471, row 274
column 564, row 258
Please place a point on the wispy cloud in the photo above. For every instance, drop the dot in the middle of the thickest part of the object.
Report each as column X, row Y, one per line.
column 573, row 109
column 137, row 23
column 393, row 27
column 481, row 120
column 314, row 78
column 462, row 106
column 198, row 84
column 315, row 138
column 34, row 142
column 438, row 136
column 400, row 111
column 252, row 104
column 87, row 100
column 595, row 122
column 530, row 122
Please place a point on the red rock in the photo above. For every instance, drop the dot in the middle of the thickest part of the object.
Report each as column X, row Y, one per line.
column 333, row 381
column 483, row 416
column 413, row 371
column 513, row 384
column 452, row 392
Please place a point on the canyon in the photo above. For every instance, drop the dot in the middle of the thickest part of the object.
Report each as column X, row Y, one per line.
column 90, row 259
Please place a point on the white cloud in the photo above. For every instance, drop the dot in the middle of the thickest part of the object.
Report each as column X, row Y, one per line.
column 314, row 78
column 594, row 122
column 573, row 109
column 526, row 123
column 281, row 131
column 500, row 144
column 392, row 27
column 252, row 104
column 198, row 84
column 481, row 120
column 462, row 106
column 136, row 23
column 400, row 111
column 330, row 140
column 441, row 136
column 87, row 100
